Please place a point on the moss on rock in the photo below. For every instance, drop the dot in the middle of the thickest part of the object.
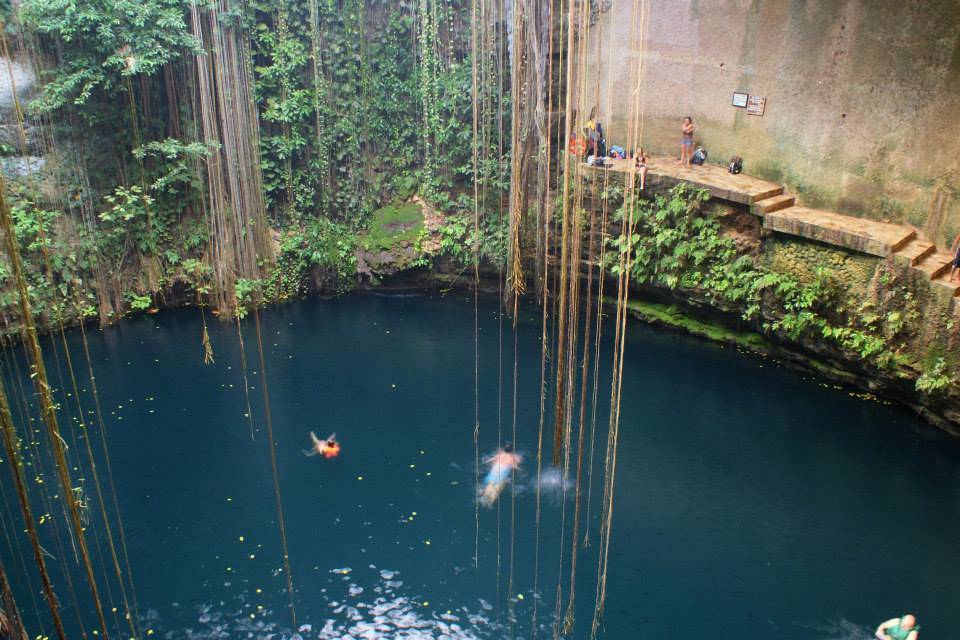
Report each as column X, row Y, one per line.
column 675, row 317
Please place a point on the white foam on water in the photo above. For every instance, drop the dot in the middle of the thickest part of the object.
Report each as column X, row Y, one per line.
column 842, row 630
column 551, row 483
column 391, row 615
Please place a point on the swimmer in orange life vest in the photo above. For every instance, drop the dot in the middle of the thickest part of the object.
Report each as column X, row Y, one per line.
column 502, row 464
column 328, row 448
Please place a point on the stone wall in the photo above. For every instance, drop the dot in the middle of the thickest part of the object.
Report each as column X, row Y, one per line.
column 863, row 96
column 17, row 85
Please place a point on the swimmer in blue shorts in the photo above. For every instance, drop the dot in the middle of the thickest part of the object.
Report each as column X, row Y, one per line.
column 502, row 464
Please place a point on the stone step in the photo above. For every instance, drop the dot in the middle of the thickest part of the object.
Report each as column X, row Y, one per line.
column 936, row 265
column 858, row 234
column 915, row 251
column 768, row 205
column 943, row 281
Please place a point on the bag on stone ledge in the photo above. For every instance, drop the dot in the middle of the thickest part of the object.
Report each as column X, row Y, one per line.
column 736, row 165
column 699, row 156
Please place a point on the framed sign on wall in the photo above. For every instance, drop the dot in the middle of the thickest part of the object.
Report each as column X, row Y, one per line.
column 756, row 105
column 739, row 99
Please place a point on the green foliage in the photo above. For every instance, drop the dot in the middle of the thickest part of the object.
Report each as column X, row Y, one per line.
column 248, row 294
column 935, row 379
column 104, row 41
column 137, row 302
column 673, row 243
column 361, row 102
column 33, row 226
column 127, row 225
column 198, row 275
column 353, row 115
column 458, row 238
column 337, row 89
column 323, row 251
column 177, row 164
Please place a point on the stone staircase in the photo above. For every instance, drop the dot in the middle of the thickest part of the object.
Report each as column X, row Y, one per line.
column 781, row 214
column 916, row 251
column 937, row 266
column 774, row 203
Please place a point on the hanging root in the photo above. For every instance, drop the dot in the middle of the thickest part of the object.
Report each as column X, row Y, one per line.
column 207, row 346
column 567, row 627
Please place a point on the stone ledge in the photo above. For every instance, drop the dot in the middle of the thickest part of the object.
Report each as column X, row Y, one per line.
column 857, row 234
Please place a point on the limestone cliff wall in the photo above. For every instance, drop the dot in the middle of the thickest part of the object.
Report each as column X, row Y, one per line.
column 17, row 85
column 863, row 96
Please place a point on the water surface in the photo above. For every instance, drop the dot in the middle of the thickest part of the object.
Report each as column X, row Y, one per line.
column 751, row 501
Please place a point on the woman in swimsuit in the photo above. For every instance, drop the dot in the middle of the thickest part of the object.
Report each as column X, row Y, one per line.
column 686, row 142
column 641, row 167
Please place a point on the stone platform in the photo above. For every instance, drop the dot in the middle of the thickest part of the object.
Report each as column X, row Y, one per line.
column 715, row 179
column 781, row 214
column 857, row 234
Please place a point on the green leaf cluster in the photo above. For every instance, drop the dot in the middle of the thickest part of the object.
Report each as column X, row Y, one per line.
column 675, row 244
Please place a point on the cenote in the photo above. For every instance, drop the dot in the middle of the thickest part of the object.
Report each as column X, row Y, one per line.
column 751, row 501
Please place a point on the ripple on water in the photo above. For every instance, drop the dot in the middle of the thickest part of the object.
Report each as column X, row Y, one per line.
column 390, row 615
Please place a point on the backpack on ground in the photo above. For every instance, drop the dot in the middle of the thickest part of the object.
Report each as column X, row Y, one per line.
column 736, row 165
column 699, row 156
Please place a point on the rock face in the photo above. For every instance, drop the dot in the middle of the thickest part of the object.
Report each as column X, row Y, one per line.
column 23, row 78
column 400, row 235
column 863, row 97
column 17, row 84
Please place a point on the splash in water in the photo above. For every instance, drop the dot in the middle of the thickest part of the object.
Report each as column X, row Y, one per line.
column 551, row 484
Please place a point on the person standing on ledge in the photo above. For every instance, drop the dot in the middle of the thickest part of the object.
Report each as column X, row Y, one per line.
column 905, row 628
column 955, row 249
column 686, row 142
column 641, row 160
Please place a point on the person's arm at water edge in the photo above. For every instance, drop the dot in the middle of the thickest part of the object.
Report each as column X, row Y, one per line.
column 882, row 629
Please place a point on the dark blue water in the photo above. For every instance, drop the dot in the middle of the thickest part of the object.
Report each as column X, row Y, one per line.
column 750, row 501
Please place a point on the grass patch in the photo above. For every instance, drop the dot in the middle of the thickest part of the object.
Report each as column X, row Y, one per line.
column 394, row 224
column 673, row 316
